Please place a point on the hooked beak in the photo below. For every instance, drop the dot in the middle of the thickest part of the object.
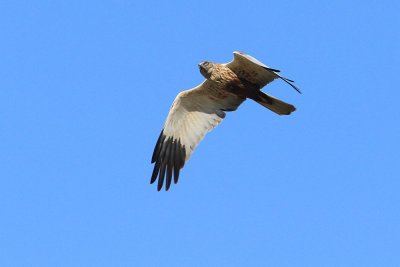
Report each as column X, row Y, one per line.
column 202, row 69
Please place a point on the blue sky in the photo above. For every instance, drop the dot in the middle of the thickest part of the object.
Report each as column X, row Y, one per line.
column 85, row 90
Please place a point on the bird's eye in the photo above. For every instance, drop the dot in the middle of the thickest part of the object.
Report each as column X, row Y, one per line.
column 205, row 63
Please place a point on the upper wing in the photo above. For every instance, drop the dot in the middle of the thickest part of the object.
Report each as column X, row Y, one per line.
column 193, row 113
column 248, row 68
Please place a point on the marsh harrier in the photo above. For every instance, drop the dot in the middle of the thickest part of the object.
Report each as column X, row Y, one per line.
column 197, row 111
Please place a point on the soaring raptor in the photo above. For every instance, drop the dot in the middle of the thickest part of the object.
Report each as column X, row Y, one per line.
column 197, row 111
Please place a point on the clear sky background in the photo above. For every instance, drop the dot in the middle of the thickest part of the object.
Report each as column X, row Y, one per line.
column 85, row 87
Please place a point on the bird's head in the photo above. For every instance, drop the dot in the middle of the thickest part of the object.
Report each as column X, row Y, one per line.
column 206, row 69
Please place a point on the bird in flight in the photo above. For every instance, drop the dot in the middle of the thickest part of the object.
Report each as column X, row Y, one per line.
column 197, row 111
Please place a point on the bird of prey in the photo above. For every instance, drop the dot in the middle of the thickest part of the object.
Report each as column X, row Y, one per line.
column 197, row 111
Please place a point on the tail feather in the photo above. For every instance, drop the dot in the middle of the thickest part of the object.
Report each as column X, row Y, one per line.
column 274, row 104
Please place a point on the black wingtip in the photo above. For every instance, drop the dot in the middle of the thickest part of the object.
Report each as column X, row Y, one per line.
column 157, row 148
column 176, row 175
column 169, row 157
column 275, row 70
column 155, row 172
column 161, row 177
column 169, row 177
column 285, row 79
column 295, row 88
column 290, row 83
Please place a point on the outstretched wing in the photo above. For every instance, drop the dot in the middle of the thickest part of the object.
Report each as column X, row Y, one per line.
column 193, row 113
column 248, row 68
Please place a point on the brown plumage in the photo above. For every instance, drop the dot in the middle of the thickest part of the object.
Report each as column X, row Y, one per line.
column 197, row 111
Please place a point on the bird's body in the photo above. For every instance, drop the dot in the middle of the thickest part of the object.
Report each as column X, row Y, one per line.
column 197, row 111
column 223, row 83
